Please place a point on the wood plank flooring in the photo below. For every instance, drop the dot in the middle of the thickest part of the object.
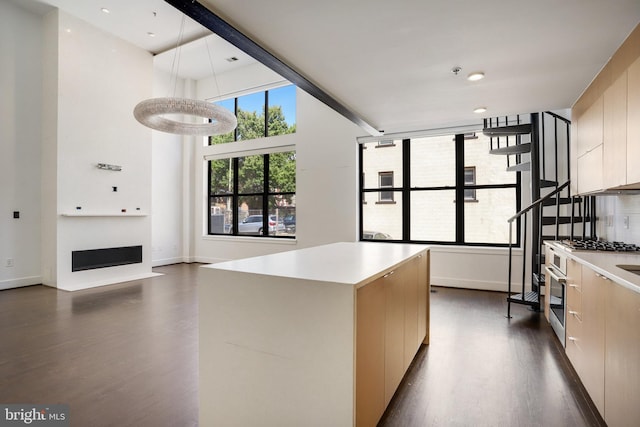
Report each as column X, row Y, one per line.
column 127, row 355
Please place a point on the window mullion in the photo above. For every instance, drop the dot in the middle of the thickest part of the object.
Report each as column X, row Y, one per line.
column 459, row 188
column 265, row 196
column 235, row 197
column 406, row 190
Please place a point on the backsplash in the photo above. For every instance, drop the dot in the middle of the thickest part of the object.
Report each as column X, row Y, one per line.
column 619, row 218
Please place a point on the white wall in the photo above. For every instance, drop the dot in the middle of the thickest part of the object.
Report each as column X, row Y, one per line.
column 326, row 187
column 20, row 134
column 100, row 79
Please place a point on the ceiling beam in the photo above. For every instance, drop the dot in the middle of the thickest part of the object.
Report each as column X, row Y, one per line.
column 213, row 22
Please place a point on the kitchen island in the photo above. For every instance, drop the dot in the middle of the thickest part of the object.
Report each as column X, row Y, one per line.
column 319, row 336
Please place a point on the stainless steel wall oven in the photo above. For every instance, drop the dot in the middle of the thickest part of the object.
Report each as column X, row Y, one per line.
column 556, row 269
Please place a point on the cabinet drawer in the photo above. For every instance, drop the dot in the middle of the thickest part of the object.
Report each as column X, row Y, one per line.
column 574, row 296
column 573, row 342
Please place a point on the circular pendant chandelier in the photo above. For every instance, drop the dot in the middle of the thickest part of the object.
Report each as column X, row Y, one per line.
column 150, row 113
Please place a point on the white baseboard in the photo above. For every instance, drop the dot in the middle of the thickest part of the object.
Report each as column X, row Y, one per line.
column 475, row 284
column 20, row 282
column 169, row 261
column 88, row 285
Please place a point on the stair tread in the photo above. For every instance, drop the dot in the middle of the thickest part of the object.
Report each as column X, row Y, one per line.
column 563, row 201
column 551, row 220
column 530, row 298
column 509, row 130
column 513, row 149
column 546, row 183
column 519, row 167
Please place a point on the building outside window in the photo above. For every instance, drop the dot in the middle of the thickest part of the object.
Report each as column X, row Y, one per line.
column 255, row 194
column 430, row 206
column 385, row 180
column 469, row 180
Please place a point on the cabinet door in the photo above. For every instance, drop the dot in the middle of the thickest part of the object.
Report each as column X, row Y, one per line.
column 633, row 123
column 590, row 127
column 370, row 334
column 615, row 133
column 590, row 174
column 592, row 342
column 622, row 358
column 411, row 296
column 394, row 332
column 423, row 297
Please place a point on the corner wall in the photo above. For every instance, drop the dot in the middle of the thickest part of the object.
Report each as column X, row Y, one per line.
column 21, row 49
column 100, row 79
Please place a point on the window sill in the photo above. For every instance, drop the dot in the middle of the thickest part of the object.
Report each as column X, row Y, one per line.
column 250, row 239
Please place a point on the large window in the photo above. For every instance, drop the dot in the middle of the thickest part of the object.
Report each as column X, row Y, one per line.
column 253, row 195
column 430, row 183
column 261, row 114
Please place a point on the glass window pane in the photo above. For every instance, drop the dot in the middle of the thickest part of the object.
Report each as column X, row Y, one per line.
column 282, row 216
column 229, row 104
column 221, row 176
column 282, row 172
column 486, row 220
column 381, row 158
column 221, row 215
column 250, row 215
column 382, row 221
column 282, row 110
column 490, row 168
column 433, row 161
column 250, row 116
column 251, row 174
column 433, row 215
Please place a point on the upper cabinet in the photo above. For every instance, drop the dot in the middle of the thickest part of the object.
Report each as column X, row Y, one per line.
column 606, row 125
column 633, row 121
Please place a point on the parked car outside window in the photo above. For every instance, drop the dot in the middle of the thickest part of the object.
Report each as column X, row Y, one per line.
column 253, row 225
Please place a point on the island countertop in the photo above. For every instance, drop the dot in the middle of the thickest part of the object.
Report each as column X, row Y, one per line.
column 350, row 263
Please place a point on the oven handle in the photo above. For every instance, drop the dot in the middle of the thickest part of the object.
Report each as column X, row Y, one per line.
column 552, row 272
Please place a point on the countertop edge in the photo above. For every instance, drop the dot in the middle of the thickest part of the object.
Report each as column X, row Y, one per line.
column 604, row 264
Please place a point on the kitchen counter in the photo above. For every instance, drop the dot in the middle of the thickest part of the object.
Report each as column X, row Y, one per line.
column 348, row 263
column 606, row 264
column 279, row 334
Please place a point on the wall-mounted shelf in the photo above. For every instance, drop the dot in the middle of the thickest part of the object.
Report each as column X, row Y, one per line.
column 104, row 214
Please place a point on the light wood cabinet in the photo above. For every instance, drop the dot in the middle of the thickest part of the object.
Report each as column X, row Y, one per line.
column 603, row 343
column 391, row 323
column 633, row 122
column 607, row 115
column 370, row 338
column 585, row 336
column 615, row 133
column 622, row 357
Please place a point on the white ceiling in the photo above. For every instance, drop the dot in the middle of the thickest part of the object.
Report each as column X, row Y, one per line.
column 390, row 62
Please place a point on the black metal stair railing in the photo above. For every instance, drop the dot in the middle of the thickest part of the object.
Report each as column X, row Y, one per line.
column 533, row 296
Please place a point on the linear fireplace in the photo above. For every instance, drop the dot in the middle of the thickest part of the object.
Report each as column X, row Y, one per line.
column 107, row 257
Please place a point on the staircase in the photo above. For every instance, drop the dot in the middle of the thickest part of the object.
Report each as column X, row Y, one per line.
column 538, row 144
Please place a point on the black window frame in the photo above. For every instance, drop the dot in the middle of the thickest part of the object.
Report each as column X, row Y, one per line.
column 266, row 194
column 460, row 186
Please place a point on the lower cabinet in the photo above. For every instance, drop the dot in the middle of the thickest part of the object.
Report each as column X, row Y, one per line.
column 585, row 334
column 391, row 323
column 603, row 345
column 622, row 357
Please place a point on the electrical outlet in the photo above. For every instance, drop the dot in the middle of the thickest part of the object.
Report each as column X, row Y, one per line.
column 9, row 262
column 625, row 221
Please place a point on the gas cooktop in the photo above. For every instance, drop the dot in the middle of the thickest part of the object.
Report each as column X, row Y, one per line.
column 599, row 245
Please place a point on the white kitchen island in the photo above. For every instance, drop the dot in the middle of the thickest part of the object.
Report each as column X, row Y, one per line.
column 310, row 337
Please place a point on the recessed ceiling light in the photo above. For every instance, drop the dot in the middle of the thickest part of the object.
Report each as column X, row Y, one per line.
column 232, row 59
column 480, row 110
column 475, row 76
column 105, row 10
column 150, row 34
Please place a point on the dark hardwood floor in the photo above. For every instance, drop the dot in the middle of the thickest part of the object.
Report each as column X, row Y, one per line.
column 126, row 355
